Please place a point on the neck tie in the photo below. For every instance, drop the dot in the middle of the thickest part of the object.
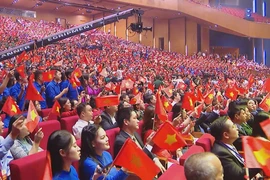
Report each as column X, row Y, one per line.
column 135, row 140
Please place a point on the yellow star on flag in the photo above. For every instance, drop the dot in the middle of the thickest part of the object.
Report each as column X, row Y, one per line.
column 33, row 115
column 166, row 104
column 13, row 108
column 127, row 84
column 57, row 109
column 136, row 161
column 76, row 74
column 262, row 156
column 170, row 91
column 107, row 101
column 231, row 94
column 190, row 101
column 171, row 139
column 50, row 76
column 267, row 102
column 211, row 96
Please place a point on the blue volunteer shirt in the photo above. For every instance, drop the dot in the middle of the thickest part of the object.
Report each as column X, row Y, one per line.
column 43, row 104
column 15, row 91
column 64, row 175
column 5, row 93
column 52, row 90
column 72, row 92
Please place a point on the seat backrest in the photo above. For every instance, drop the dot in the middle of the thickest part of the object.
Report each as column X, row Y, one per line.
column 139, row 131
column 112, row 133
column 47, row 112
column 174, row 172
column 68, row 122
column 5, row 132
column 29, row 167
column 206, row 141
column 48, row 127
column 192, row 150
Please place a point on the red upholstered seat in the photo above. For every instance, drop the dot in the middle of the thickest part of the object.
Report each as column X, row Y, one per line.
column 46, row 112
column 29, row 167
column 5, row 133
column 175, row 172
column 206, row 141
column 48, row 127
column 192, row 150
column 68, row 122
column 139, row 131
column 111, row 133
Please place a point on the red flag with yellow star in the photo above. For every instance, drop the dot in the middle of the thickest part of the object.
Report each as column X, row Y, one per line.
column 135, row 160
column 48, row 76
column 77, row 72
column 168, row 90
column 32, row 93
column 128, row 84
column 167, row 137
column 167, row 104
column 159, row 108
column 107, row 101
column 10, row 107
column 265, row 103
column 231, row 93
column 56, row 108
column 21, row 71
column 208, row 99
column 32, row 117
column 21, row 57
column 188, row 102
column 266, row 127
column 257, row 153
column 136, row 99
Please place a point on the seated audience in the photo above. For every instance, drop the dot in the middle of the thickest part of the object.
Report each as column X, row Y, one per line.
column 128, row 123
column 64, row 151
column 108, row 117
column 6, row 144
column 23, row 145
column 225, row 133
column 203, row 166
column 95, row 157
column 85, row 114
column 65, row 107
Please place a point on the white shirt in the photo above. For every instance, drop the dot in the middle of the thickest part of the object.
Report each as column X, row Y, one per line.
column 79, row 125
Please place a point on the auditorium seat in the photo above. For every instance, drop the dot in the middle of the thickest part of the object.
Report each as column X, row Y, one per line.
column 192, row 150
column 5, row 132
column 48, row 127
column 46, row 112
column 29, row 167
column 206, row 141
column 139, row 131
column 175, row 172
column 68, row 122
column 111, row 133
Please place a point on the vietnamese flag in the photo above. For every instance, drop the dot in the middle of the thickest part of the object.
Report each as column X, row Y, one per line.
column 48, row 76
column 21, row 57
column 151, row 87
column 110, row 86
column 231, row 93
column 251, row 80
column 136, row 99
column 266, row 85
column 199, row 94
column 85, row 60
column 208, row 99
column 168, row 90
column 118, row 89
column 167, row 137
column 135, row 160
column 135, row 91
column 198, row 111
column 166, row 104
column 32, row 117
column 10, row 107
column 265, row 103
column 188, row 103
column 107, row 101
column 159, row 108
column 21, row 71
column 257, row 153
column 266, row 127
column 77, row 72
column 56, row 108
column 48, row 168
column 128, row 84
column 32, row 93
column 181, row 86
column 99, row 68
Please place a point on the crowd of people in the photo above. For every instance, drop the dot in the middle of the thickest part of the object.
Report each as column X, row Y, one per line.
column 99, row 63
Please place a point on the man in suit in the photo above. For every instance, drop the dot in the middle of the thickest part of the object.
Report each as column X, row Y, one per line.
column 129, row 124
column 238, row 117
column 225, row 133
column 108, row 118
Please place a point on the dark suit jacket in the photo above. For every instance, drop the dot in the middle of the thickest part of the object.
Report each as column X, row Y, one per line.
column 238, row 143
column 106, row 122
column 122, row 137
column 233, row 169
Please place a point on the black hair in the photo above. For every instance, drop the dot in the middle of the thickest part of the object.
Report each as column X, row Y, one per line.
column 37, row 73
column 60, row 139
column 69, row 72
column 122, row 114
column 148, row 121
column 11, row 121
column 81, row 107
column 218, row 127
column 176, row 110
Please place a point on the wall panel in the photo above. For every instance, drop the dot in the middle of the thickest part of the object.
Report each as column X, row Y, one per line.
column 177, row 35
column 205, row 39
column 161, row 31
column 121, row 28
column 191, row 36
